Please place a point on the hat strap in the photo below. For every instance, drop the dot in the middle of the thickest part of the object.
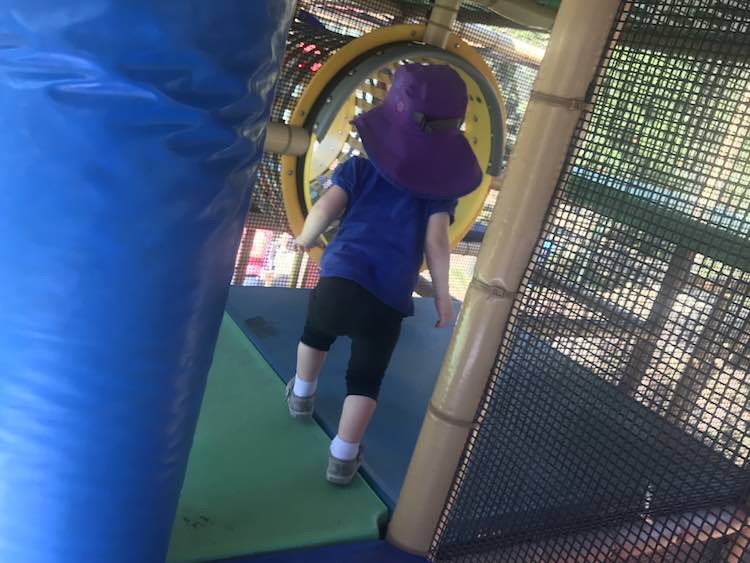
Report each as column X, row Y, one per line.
column 433, row 125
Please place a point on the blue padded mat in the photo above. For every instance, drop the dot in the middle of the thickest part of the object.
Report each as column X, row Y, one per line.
column 370, row 552
column 273, row 318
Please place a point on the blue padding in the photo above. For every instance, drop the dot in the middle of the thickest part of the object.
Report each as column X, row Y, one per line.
column 123, row 188
column 370, row 552
column 273, row 320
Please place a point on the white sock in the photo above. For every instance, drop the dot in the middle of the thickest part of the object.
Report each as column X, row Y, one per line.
column 304, row 388
column 341, row 449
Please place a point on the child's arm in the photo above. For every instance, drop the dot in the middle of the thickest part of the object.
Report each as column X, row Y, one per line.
column 325, row 211
column 438, row 251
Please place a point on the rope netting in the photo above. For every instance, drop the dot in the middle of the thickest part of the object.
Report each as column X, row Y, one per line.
column 614, row 426
column 266, row 256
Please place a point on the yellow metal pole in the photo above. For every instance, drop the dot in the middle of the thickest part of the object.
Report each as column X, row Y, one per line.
column 284, row 139
column 578, row 39
column 442, row 18
column 296, row 269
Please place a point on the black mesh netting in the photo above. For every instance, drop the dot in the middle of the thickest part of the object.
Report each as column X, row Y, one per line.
column 266, row 255
column 614, row 426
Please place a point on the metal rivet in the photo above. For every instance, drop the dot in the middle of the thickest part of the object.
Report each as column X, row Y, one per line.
column 290, row 172
column 302, row 113
column 457, row 45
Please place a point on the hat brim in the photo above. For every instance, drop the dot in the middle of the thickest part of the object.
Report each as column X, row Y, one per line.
column 438, row 165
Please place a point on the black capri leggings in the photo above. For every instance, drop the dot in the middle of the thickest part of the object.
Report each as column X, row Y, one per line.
column 339, row 307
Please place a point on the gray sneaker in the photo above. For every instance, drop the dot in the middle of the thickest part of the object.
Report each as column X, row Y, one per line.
column 341, row 472
column 299, row 407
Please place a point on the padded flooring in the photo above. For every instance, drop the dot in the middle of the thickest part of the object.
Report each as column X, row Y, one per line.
column 255, row 480
column 273, row 318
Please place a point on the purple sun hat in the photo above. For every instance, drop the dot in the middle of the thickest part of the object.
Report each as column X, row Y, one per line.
column 413, row 138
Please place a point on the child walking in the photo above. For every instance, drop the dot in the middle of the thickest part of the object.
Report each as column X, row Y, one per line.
column 395, row 209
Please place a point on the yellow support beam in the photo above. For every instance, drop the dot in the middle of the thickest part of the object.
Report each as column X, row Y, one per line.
column 578, row 39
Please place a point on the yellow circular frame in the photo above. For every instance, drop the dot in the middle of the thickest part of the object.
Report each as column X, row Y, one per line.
column 478, row 124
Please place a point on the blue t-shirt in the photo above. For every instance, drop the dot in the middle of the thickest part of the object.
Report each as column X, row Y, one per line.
column 380, row 242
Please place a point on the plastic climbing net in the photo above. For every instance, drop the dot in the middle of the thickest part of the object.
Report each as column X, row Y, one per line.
column 266, row 256
column 615, row 425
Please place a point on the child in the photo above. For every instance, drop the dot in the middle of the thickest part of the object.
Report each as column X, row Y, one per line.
column 396, row 208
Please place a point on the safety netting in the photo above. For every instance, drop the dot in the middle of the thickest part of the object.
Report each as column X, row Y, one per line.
column 267, row 256
column 614, row 426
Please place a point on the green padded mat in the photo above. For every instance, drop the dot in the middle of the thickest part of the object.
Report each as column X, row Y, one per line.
column 255, row 480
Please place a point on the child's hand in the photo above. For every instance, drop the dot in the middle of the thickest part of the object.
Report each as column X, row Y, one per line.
column 304, row 245
column 444, row 306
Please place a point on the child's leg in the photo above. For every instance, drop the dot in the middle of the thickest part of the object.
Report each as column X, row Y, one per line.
column 309, row 363
column 317, row 339
column 355, row 417
column 311, row 353
column 371, row 354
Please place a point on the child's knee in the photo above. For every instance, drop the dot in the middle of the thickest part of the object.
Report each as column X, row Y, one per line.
column 317, row 339
column 363, row 384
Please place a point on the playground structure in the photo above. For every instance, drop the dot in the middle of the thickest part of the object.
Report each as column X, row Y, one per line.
column 592, row 400
column 277, row 212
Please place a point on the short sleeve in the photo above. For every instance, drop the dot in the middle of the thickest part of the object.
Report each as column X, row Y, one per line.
column 348, row 177
column 443, row 206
